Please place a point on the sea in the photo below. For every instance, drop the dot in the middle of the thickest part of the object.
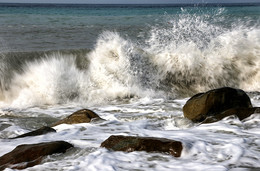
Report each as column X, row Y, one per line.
column 135, row 66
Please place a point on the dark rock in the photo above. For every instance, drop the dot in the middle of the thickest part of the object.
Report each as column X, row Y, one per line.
column 81, row 116
column 28, row 155
column 213, row 102
column 41, row 131
column 149, row 144
column 240, row 112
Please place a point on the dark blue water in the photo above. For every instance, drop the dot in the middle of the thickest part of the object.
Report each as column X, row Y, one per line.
column 47, row 27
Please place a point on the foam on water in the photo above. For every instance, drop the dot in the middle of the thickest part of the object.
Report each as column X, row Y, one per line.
column 227, row 144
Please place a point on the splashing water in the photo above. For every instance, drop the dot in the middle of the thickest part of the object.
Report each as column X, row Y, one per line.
column 187, row 54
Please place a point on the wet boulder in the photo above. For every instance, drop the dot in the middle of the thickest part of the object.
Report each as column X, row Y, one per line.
column 214, row 102
column 80, row 116
column 28, row 155
column 240, row 112
column 41, row 131
column 148, row 144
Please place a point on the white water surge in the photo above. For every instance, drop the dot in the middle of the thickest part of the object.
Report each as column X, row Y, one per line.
column 119, row 68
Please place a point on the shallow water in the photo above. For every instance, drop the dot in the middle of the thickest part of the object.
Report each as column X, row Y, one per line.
column 227, row 144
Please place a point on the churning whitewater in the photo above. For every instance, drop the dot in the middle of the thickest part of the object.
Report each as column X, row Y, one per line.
column 188, row 56
column 135, row 67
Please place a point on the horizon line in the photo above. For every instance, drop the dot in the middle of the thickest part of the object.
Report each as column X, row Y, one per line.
column 188, row 3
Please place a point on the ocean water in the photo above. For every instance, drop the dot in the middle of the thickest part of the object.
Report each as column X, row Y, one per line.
column 135, row 66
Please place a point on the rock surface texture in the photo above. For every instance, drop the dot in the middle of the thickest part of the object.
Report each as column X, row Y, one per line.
column 80, row 116
column 148, row 144
column 240, row 112
column 41, row 131
column 214, row 102
column 28, row 155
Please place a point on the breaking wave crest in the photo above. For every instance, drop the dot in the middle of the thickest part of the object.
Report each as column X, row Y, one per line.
column 185, row 55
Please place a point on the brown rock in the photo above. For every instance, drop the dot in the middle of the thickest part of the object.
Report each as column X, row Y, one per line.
column 240, row 112
column 213, row 102
column 41, row 131
column 149, row 144
column 81, row 116
column 28, row 155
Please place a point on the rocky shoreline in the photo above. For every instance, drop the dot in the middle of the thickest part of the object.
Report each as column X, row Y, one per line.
column 202, row 108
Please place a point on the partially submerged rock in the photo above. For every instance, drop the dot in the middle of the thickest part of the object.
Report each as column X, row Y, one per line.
column 28, row 155
column 41, row 131
column 240, row 112
column 214, row 102
column 81, row 116
column 149, row 144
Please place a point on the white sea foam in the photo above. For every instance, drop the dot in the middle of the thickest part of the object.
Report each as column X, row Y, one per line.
column 193, row 54
column 227, row 144
column 53, row 80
